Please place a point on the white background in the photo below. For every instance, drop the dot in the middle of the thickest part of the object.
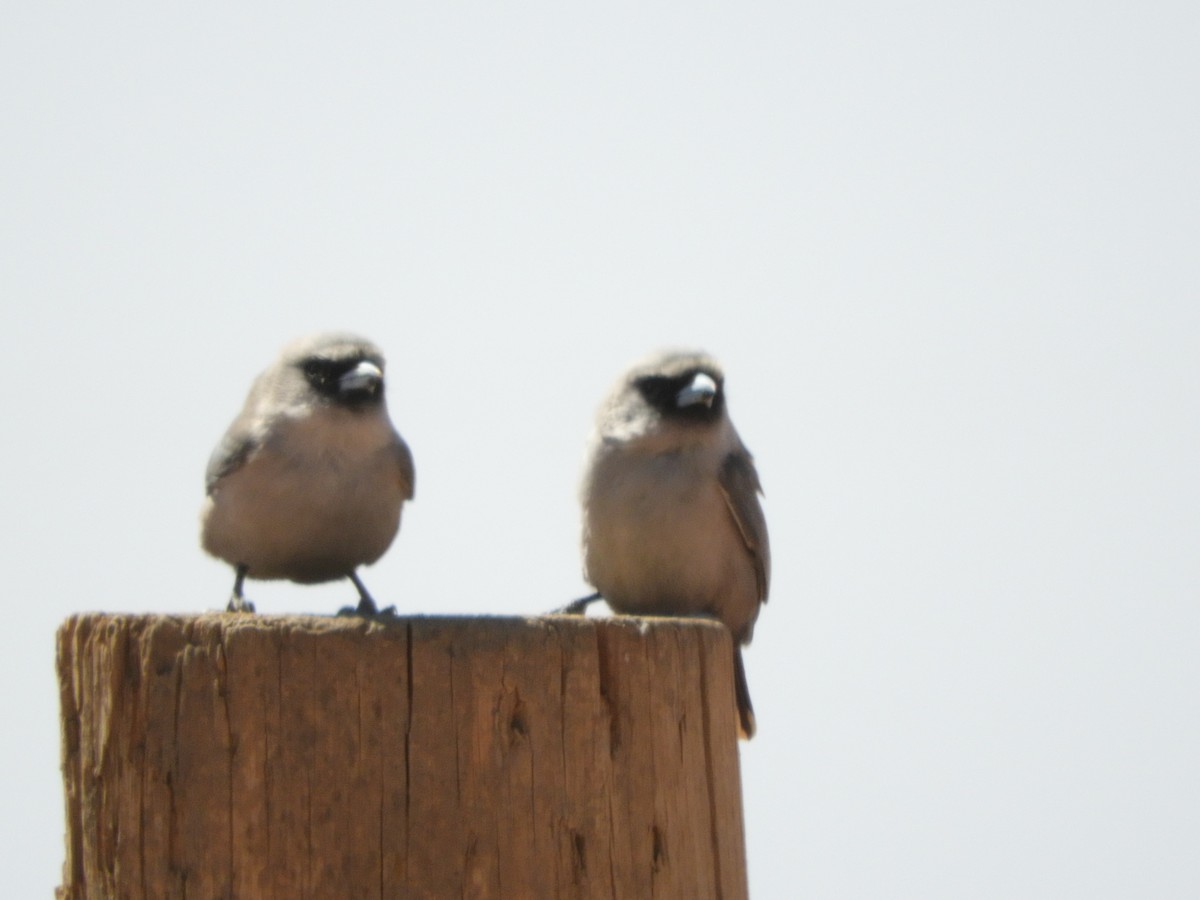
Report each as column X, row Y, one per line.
column 948, row 253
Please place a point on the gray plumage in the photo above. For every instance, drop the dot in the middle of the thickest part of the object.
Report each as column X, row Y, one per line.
column 308, row 482
column 672, row 520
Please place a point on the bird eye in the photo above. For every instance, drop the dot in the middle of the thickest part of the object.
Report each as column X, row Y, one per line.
column 317, row 371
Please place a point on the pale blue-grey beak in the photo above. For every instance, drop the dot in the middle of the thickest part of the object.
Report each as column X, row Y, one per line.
column 702, row 390
column 366, row 376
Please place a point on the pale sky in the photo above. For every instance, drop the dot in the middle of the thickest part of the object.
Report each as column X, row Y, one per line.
column 947, row 253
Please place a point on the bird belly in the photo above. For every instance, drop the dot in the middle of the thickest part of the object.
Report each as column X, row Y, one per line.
column 660, row 540
column 309, row 518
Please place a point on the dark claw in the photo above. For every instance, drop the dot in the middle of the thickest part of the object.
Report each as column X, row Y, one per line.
column 366, row 606
column 368, row 611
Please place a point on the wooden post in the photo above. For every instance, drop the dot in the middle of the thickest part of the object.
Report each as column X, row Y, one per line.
column 292, row 757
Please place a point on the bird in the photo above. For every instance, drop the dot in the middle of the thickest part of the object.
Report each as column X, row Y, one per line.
column 309, row 480
column 672, row 523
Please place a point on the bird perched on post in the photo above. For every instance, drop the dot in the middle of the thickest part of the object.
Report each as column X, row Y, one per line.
column 309, row 481
column 671, row 519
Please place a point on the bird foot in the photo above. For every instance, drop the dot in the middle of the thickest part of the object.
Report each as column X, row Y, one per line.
column 367, row 609
column 576, row 607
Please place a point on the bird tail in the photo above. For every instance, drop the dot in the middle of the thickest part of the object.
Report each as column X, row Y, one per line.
column 746, row 722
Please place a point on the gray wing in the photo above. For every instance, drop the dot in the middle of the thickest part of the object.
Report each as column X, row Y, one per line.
column 230, row 454
column 739, row 484
column 244, row 435
column 404, row 466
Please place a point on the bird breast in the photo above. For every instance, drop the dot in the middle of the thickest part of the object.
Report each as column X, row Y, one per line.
column 320, row 497
column 659, row 537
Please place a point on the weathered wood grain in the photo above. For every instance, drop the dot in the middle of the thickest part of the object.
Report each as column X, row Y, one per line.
column 301, row 757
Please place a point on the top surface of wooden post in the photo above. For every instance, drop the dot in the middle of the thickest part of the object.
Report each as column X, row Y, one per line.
column 292, row 757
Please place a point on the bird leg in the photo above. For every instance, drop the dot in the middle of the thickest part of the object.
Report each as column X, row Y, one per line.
column 366, row 605
column 576, row 607
column 238, row 602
